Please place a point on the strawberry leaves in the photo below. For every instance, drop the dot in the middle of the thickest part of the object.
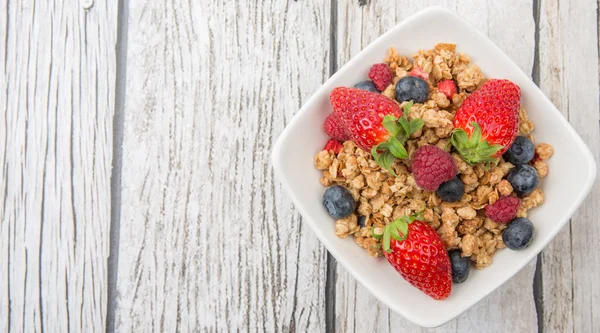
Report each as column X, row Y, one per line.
column 398, row 230
column 400, row 130
column 474, row 149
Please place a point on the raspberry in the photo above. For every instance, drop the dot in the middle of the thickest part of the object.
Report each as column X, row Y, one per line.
column 448, row 87
column 503, row 210
column 334, row 145
column 381, row 75
column 334, row 127
column 418, row 72
column 432, row 166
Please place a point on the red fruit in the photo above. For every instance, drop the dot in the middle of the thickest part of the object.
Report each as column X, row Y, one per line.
column 487, row 122
column 374, row 123
column 448, row 87
column 334, row 127
column 418, row 72
column 503, row 210
column 431, row 166
column 334, row 145
column 381, row 75
column 417, row 252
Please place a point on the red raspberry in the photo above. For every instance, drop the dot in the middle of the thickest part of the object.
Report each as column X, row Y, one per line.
column 334, row 127
column 503, row 210
column 432, row 166
column 448, row 87
column 418, row 72
column 381, row 75
column 334, row 145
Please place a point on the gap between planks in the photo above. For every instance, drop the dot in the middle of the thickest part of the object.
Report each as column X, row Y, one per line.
column 117, row 163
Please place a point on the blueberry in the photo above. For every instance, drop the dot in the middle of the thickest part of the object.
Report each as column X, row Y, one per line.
column 460, row 266
column 367, row 85
column 412, row 88
column 523, row 178
column 338, row 201
column 520, row 152
column 451, row 191
column 518, row 234
column 362, row 220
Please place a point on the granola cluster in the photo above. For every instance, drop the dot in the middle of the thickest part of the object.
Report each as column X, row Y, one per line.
column 382, row 198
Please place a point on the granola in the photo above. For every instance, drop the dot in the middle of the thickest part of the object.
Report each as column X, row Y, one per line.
column 382, row 197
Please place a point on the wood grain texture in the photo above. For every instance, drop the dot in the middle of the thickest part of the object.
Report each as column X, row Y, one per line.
column 570, row 263
column 57, row 74
column 208, row 241
column 510, row 25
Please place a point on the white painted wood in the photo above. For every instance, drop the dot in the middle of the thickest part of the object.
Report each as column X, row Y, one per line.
column 57, row 75
column 511, row 26
column 208, row 240
column 569, row 76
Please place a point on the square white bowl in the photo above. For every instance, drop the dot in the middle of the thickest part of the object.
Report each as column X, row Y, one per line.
column 571, row 176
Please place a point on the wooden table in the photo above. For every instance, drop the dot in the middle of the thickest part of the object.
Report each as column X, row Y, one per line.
column 137, row 193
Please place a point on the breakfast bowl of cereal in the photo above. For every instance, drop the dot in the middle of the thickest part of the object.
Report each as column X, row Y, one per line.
column 432, row 168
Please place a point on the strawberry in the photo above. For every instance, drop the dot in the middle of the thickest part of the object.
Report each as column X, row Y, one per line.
column 333, row 145
column 448, row 87
column 417, row 252
column 418, row 72
column 374, row 123
column 487, row 122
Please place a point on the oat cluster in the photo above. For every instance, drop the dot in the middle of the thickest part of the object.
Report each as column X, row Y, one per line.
column 382, row 198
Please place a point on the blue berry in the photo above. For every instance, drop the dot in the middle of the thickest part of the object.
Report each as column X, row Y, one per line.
column 412, row 88
column 451, row 191
column 362, row 221
column 338, row 201
column 367, row 85
column 520, row 152
column 460, row 266
column 523, row 178
column 518, row 234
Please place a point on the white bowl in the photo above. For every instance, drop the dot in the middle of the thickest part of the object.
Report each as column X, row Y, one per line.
column 572, row 168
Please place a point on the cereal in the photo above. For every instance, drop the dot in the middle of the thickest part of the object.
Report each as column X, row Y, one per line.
column 382, row 198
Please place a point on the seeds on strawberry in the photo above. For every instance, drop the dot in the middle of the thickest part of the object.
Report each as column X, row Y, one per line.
column 417, row 252
column 487, row 122
column 431, row 166
column 381, row 75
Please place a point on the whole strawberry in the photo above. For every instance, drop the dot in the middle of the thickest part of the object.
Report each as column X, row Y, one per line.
column 417, row 252
column 487, row 122
column 431, row 166
column 374, row 123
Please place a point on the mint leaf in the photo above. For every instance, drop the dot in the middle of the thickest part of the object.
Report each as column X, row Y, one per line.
column 397, row 149
column 390, row 123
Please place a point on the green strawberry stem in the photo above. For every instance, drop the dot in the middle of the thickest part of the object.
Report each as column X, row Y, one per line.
column 385, row 153
column 474, row 149
column 398, row 229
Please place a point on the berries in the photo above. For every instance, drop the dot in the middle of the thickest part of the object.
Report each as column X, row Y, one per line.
column 381, row 75
column 520, row 152
column 460, row 266
column 411, row 88
column 487, row 121
column 338, row 202
column 367, row 85
column 334, row 127
column 431, row 166
column 448, row 87
column 523, row 178
column 451, row 191
column 503, row 210
column 518, row 234
column 334, row 145
column 418, row 72
column 374, row 123
column 417, row 252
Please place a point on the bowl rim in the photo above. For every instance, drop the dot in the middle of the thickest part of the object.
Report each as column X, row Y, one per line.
column 337, row 254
